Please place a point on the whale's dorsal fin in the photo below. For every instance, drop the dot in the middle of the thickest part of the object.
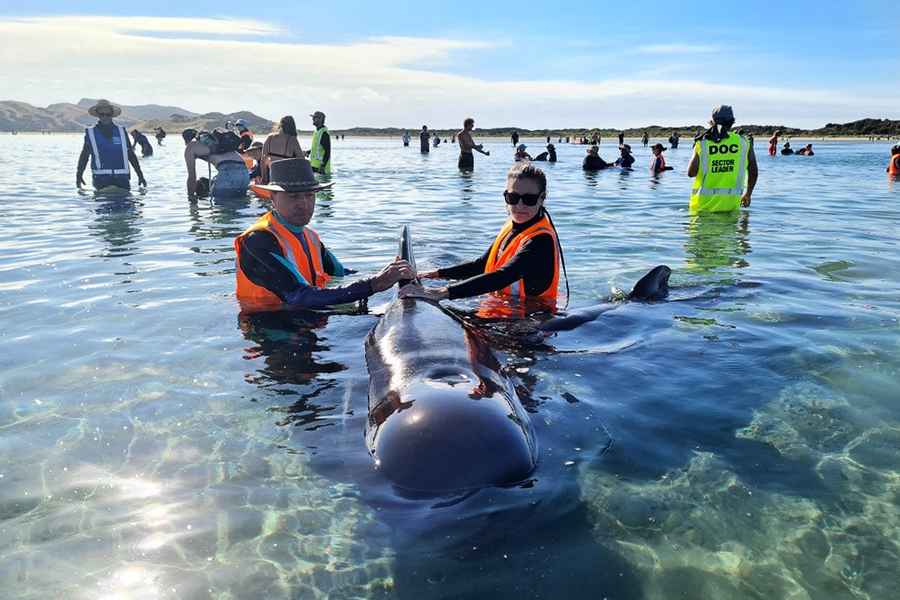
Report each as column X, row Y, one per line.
column 406, row 253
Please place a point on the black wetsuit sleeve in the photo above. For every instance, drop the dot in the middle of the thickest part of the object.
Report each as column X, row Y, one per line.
column 259, row 264
column 465, row 270
column 533, row 263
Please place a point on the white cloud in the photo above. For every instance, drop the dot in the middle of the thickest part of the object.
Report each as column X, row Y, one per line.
column 380, row 81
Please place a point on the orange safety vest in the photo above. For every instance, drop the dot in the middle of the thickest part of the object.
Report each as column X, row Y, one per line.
column 257, row 298
column 894, row 166
column 497, row 259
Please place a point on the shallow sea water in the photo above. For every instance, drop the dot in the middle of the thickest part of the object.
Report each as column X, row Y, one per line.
column 741, row 440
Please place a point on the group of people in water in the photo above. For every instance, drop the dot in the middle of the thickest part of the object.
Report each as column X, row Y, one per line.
column 786, row 150
column 282, row 262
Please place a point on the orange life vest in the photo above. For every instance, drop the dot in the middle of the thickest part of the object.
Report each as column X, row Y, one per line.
column 257, row 298
column 497, row 259
column 894, row 166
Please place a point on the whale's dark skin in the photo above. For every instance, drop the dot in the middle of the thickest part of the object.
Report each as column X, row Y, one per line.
column 652, row 287
column 442, row 416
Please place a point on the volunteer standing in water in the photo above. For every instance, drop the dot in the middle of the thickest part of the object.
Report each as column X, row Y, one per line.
column 279, row 145
column 320, row 152
column 107, row 146
column 893, row 167
column 232, row 177
column 282, row 263
column 523, row 260
column 467, row 144
column 722, row 162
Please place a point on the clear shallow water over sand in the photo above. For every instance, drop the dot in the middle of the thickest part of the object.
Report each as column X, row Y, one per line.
column 154, row 445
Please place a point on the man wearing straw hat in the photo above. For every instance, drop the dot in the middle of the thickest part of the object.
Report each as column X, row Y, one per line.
column 282, row 263
column 106, row 146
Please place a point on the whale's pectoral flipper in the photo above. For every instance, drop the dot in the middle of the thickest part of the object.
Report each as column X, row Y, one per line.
column 651, row 287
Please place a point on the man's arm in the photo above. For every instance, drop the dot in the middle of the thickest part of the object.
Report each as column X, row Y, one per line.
column 752, row 176
column 694, row 167
column 264, row 264
column 133, row 159
column 190, row 159
column 82, row 163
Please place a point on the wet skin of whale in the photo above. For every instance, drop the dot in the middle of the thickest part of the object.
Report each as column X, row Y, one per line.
column 442, row 416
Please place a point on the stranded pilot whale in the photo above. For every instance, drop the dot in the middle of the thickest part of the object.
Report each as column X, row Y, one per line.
column 651, row 287
column 442, row 416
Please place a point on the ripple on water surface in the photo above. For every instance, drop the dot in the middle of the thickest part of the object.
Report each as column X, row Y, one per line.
column 737, row 441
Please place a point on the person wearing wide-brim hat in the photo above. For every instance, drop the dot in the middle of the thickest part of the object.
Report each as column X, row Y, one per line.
column 108, row 148
column 626, row 159
column 282, row 263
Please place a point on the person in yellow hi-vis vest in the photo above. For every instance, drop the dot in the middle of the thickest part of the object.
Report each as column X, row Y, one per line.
column 320, row 152
column 723, row 167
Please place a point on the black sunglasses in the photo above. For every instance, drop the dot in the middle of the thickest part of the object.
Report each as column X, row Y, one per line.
column 512, row 198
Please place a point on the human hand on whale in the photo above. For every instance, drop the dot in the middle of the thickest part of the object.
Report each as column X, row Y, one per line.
column 398, row 270
column 415, row 290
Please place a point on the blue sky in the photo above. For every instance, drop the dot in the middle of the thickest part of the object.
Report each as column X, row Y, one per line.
column 399, row 63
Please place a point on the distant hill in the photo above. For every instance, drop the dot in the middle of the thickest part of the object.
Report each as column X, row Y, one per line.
column 208, row 121
column 142, row 112
column 68, row 117
column 861, row 128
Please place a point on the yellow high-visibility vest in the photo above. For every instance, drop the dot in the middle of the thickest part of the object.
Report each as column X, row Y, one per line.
column 317, row 153
column 719, row 183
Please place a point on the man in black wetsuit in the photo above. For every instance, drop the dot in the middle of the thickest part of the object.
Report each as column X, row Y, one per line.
column 282, row 263
column 626, row 159
column 424, row 140
column 523, row 260
column 139, row 139
column 593, row 162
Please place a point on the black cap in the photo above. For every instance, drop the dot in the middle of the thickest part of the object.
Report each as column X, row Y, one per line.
column 723, row 115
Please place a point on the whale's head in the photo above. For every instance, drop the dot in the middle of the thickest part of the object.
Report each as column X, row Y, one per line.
column 451, row 430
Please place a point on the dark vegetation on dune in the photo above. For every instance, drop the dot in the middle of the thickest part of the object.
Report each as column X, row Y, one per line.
column 68, row 117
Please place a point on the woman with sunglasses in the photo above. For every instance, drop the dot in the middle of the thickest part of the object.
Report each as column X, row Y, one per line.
column 522, row 262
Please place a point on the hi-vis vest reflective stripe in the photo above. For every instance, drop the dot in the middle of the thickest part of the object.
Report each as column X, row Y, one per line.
column 108, row 156
column 317, row 152
column 719, row 183
column 894, row 166
column 308, row 264
column 497, row 259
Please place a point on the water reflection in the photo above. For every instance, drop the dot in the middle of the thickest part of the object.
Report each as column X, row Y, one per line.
column 325, row 201
column 717, row 240
column 288, row 342
column 117, row 221
column 208, row 213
